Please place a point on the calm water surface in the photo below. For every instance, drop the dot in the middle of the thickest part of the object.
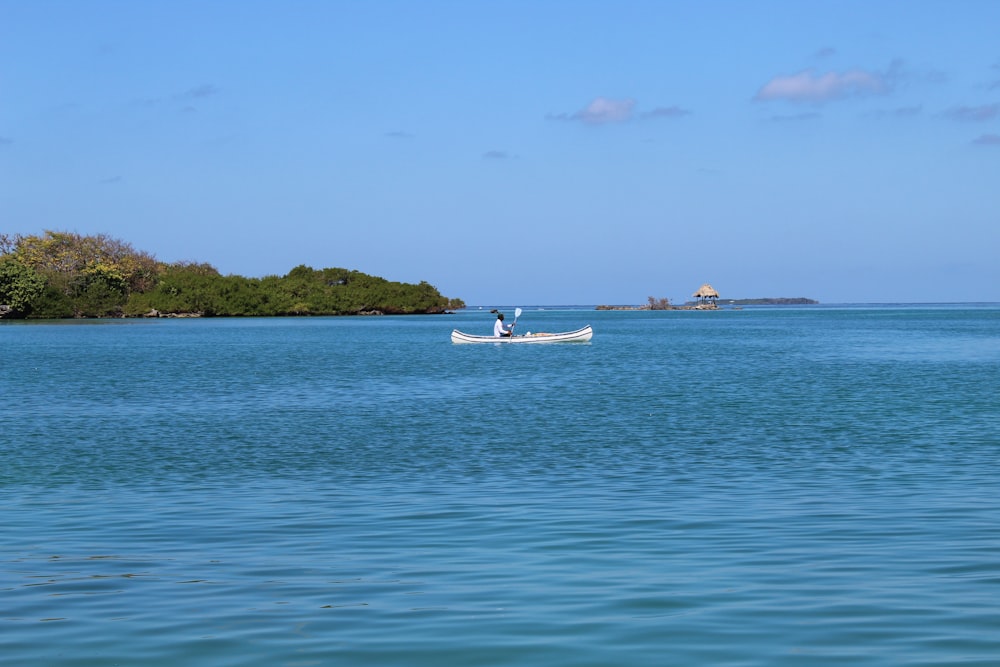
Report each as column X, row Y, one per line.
column 800, row 486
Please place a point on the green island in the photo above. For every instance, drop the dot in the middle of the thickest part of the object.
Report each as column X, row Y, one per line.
column 68, row 275
column 774, row 301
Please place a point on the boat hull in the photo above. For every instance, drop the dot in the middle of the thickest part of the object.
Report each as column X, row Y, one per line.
column 579, row 336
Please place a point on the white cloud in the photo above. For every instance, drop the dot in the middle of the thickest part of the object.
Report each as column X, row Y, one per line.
column 601, row 111
column 604, row 111
column 809, row 86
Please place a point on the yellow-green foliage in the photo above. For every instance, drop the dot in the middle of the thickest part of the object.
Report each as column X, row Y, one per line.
column 99, row 257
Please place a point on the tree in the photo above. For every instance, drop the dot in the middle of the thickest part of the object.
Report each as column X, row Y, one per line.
column 662, row 303
column 69, row 253
column 8, row 243
column 20, row 285
column 84, row 276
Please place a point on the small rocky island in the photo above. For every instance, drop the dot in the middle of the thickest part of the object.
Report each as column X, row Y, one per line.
column 707, row 299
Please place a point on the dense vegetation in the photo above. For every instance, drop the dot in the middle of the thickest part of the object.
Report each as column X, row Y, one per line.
column 61, row 274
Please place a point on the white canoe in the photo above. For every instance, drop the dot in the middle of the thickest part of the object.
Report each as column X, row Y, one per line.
column 579, row 336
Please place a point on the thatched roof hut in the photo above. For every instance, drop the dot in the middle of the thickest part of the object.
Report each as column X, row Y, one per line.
column 706, row 291
column 706, row 295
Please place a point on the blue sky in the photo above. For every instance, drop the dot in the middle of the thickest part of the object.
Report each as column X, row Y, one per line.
column 521, row 152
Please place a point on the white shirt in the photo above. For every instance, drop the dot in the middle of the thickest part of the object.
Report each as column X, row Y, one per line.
column 498, row 328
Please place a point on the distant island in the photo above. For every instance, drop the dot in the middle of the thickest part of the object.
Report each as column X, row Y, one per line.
column 711, row 303
column 778, row 301
column 68, row 275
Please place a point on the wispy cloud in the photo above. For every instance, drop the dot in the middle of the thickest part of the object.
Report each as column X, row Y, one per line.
column 995, row 84
column 185, row 98
column 898, row 112
column 907, row 112
column 496, row 155
column 601, row 112
column 666, row 112
column 980, row 114
column 810, row 86
column 6, row 141
column 199, row 92
column 399, row 134
column 605, row 111
column 111, row 180
column 987, row 140
column 825, row 52
column 796, row 117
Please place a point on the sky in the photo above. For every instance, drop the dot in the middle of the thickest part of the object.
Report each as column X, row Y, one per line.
column 521, row 152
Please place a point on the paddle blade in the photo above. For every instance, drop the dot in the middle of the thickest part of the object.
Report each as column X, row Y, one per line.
column 517, row 313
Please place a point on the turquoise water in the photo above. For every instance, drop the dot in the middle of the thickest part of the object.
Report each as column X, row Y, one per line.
column 800, row 486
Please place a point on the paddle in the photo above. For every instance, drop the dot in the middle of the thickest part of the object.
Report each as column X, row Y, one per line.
column 517, row 314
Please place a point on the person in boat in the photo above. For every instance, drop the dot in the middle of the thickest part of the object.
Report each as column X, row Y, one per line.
column 499, row 328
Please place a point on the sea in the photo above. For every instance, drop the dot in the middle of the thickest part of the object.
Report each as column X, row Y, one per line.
column 765, row 486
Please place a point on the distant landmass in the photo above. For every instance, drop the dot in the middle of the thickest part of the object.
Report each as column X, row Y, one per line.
column 713, row 304
column 771, row 301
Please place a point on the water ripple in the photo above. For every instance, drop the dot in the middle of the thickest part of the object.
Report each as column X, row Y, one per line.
column 748, row 488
